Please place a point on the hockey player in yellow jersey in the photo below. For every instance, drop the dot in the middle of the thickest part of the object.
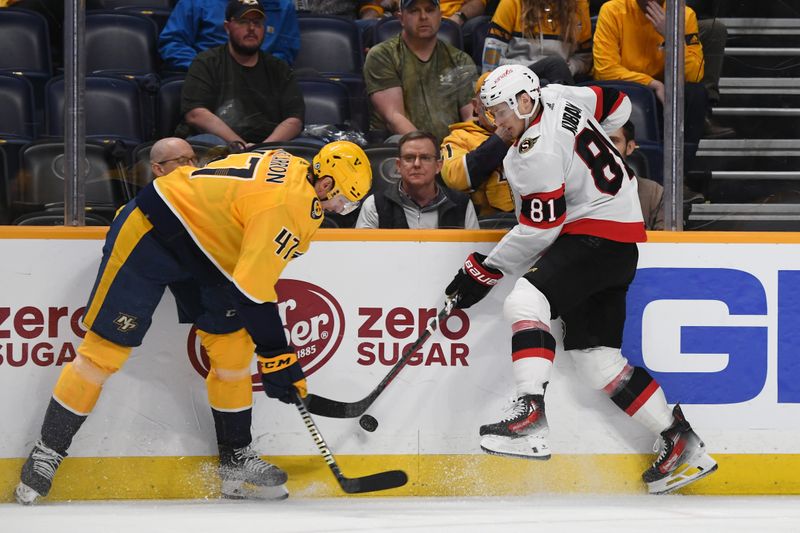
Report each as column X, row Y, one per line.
column 218, row 237
column 473, row 160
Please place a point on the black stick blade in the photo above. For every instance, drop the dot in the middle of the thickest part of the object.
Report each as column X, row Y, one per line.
column 319, row 405
column 375, row 482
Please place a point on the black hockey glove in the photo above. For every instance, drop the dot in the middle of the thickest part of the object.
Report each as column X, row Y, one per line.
column 279, row 374
column 473, row 281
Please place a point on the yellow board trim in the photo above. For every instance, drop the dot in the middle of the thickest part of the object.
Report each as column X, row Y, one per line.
column 114, row 478
column 440, row 235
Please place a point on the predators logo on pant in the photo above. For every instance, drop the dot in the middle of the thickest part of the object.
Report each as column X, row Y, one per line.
column 125, row 322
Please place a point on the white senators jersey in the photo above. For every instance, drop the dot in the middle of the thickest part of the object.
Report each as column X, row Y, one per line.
column 567, row 177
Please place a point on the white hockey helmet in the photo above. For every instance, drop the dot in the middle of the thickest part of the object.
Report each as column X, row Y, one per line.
column 506, row 82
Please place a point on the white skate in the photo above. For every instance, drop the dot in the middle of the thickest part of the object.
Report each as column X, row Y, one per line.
column 522, row 434
column 682, row 459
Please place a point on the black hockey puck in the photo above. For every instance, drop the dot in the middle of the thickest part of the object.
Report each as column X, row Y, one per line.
column 368, row 422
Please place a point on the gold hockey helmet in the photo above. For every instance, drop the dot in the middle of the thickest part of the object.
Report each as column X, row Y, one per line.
column 349, row 167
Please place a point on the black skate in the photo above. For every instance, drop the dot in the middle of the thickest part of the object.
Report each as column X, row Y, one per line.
column 682, row 458
column 246, row 476
column 37, row 474
column 523, row 433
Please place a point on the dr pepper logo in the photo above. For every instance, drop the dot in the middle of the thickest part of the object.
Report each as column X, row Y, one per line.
column 313, row 323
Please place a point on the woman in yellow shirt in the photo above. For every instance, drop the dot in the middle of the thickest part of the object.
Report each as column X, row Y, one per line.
column 551, row 37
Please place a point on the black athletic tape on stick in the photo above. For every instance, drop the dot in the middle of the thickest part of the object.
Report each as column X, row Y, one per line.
column 322, row 406
column 380, row 481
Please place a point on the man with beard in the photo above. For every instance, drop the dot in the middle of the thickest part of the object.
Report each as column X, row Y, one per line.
column 197, row 25
column 236, row 93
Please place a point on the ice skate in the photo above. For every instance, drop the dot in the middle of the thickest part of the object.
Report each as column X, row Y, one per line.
column 682, row 458
column 523, row 433
column 37, row 474
column 246, row 476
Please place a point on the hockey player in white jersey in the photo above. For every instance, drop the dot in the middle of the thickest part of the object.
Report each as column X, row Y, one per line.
column 578, row 222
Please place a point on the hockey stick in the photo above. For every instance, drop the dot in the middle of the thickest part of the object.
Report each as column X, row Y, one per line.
column 380, row 481
column 322, row 406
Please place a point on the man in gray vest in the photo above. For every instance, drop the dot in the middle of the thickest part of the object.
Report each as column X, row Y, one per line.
column 417, row 201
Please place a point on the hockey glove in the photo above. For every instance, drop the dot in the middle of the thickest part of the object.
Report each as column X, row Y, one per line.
column 473, row 281
column 279, row 374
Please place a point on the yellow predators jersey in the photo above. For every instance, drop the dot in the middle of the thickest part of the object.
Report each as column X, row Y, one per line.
column 249, row 213
column 490, row 196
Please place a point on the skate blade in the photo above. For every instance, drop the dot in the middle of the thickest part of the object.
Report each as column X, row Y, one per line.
column 240, row 490
column 25, row 495
column 531, row 447
column 684, row 475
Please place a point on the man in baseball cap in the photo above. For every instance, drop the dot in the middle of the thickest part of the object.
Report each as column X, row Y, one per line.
column 405, row 4
column 239, row 8
column 414, row 79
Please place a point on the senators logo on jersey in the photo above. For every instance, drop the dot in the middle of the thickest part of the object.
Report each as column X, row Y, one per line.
column 527, row 144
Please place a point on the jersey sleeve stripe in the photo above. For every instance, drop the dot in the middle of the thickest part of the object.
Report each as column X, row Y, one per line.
column 598, row 108
column 544, row 196
column 608, row 101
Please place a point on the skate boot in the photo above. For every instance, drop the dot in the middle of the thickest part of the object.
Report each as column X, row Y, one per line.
column 246, row 476
column 37, row 474
column 523, row 433
column 682, row 458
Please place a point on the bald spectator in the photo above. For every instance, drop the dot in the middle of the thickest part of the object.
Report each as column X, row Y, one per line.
column 170, row 153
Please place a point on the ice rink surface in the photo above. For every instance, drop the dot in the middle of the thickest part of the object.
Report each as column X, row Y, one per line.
column 583, row 514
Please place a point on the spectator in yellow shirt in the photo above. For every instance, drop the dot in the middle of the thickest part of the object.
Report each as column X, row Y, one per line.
column 473, row 160
column 629, row 45
column 552, row 38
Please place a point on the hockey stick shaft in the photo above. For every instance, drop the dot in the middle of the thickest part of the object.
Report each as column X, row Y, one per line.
column 381, row 481
column 322, row 406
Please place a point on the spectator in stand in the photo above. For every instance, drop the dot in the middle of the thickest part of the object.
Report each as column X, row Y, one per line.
column 170, row 153
column 197, row 25
column 416, row 81
column 236, row 93
column 366, row 13
column 713, row 35
column 473, row 160
column 553, row 39
column 350, row 9
column 418, row 202
column 651, row 193
column 459, row 11
column 629, row 46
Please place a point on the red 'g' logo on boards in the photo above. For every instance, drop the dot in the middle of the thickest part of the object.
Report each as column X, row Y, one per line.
column 313, row 322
